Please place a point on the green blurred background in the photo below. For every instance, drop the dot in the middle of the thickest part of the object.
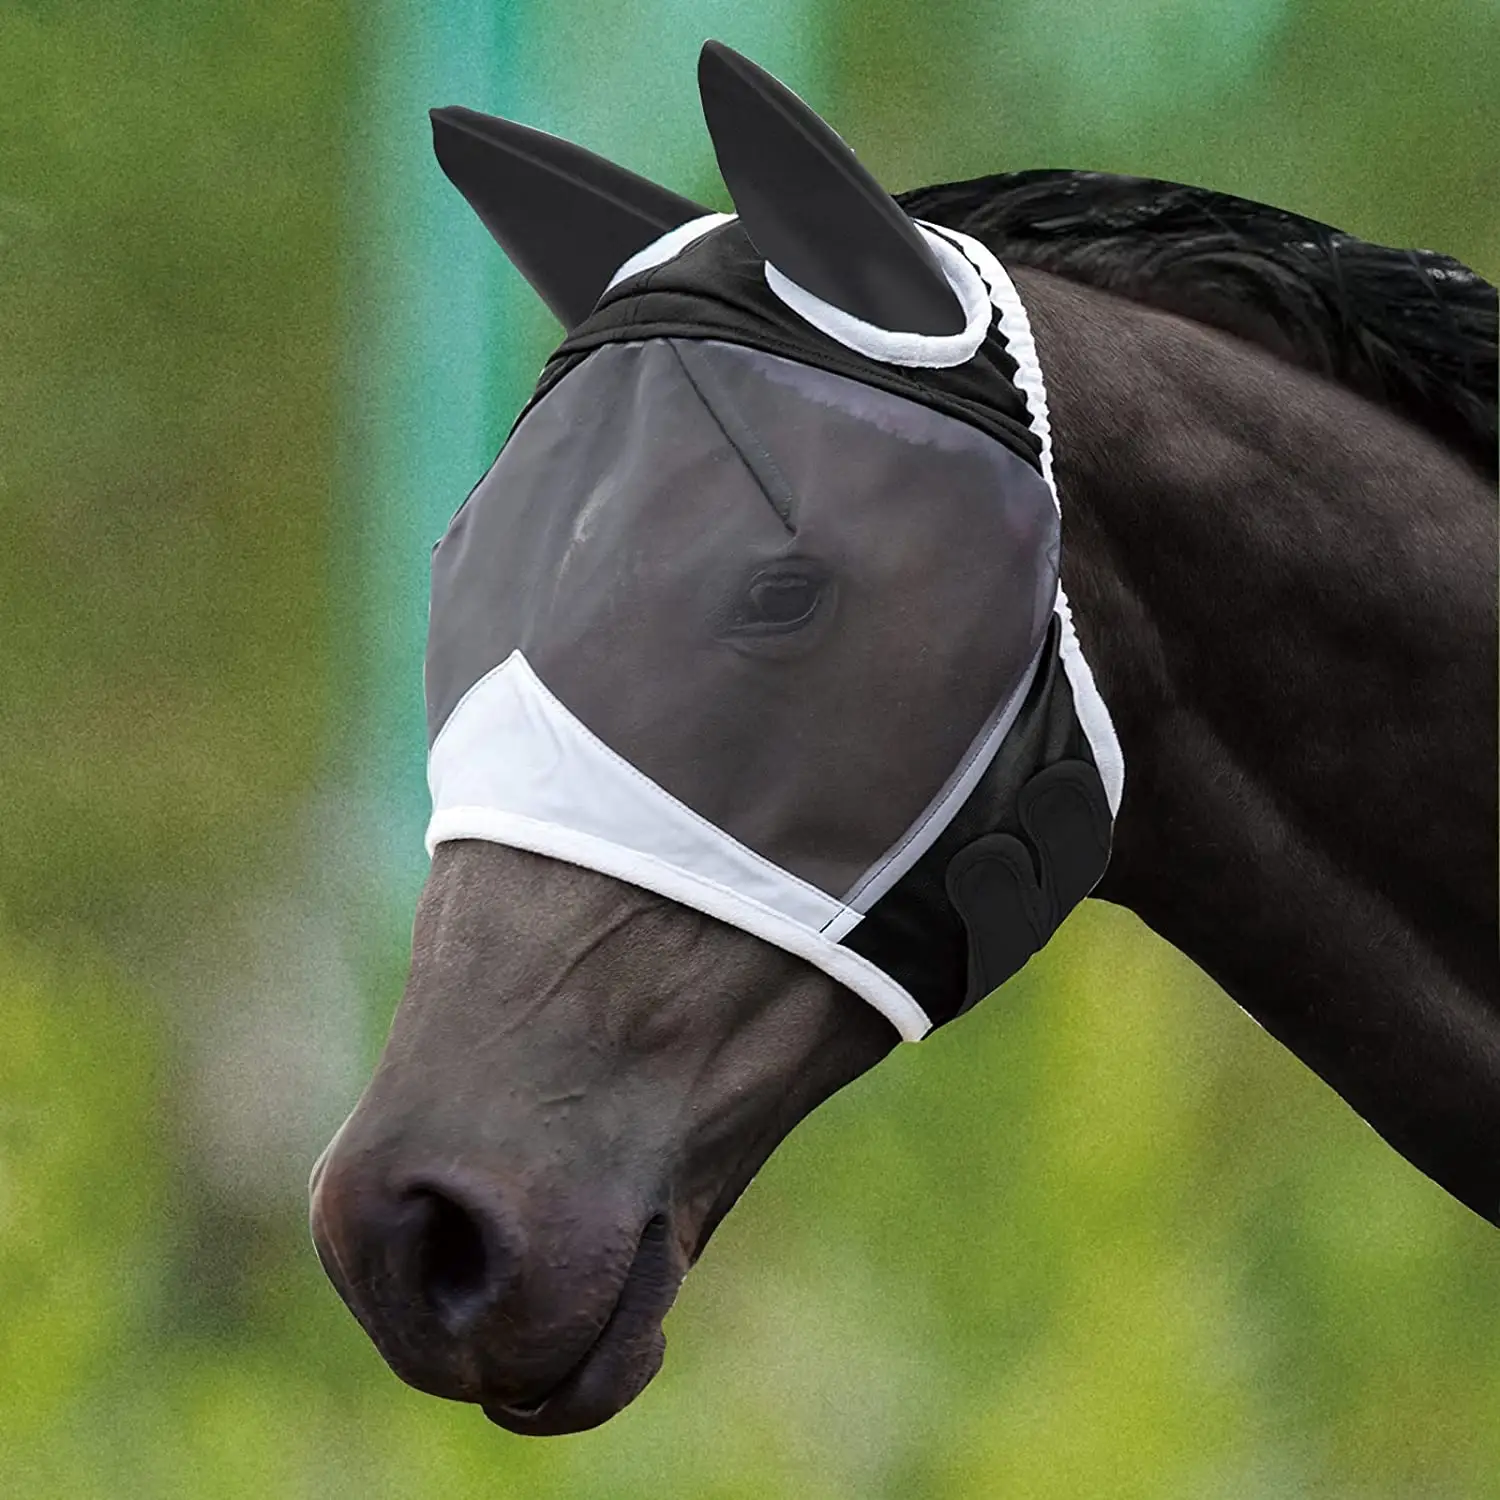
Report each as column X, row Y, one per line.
column 1104, row 1238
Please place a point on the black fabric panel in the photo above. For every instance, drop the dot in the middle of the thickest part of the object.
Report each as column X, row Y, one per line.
column 717, row 289
column 916, row 934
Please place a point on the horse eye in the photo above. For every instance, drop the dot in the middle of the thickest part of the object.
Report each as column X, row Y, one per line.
column 778, row 601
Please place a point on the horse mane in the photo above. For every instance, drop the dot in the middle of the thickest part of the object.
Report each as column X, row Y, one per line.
column 1412, row 330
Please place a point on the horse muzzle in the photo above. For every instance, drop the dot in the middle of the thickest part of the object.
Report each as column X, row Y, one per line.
column 544, row 1309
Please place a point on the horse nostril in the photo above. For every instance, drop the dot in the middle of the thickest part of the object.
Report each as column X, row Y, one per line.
column 457, row 1267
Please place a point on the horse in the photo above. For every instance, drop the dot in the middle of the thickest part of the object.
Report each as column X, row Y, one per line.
column 1274, row 445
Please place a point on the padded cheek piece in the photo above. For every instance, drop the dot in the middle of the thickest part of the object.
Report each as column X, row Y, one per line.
column 1013, row 893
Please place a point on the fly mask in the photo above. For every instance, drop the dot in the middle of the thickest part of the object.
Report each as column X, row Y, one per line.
column 760, row 607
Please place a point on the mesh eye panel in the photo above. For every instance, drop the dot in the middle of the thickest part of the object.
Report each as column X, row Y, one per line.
column 794, row 601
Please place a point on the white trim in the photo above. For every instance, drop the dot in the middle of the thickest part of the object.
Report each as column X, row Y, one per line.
column 665, row 246
column 1015, row 327
column 513, row 765
column 688, row 888
column 510, row 745
column 890, row 346
column 1092, row 711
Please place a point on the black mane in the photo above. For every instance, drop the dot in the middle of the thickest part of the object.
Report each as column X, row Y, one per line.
column 1411, row 329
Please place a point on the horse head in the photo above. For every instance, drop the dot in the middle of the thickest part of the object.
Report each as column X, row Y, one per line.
column 719, row 650
column 761, row 737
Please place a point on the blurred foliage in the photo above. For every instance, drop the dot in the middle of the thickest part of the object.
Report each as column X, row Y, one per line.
column 169, row 236
column 1103, row 1238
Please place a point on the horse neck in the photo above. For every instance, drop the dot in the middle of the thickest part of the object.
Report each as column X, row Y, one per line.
column 1287, row 596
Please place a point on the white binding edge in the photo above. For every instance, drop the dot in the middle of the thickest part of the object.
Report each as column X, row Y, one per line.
column 511, row 744
column 512, row 765
column 891, row 346
column 833, row 958
column 665, row 246
column 1015, row 328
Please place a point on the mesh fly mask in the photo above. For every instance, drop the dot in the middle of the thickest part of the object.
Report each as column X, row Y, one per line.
column 759, row 609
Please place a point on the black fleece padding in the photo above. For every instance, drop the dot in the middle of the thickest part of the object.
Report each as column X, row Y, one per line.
column 1013, row 894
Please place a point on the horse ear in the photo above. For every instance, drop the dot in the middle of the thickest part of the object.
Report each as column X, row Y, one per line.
column 566, row 218
column 811, row 209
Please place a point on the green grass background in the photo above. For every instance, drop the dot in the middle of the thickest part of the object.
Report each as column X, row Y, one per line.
column 1104, row 1238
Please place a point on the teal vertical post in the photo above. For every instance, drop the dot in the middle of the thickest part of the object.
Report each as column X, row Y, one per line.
column 447, row 338
column 426, row 296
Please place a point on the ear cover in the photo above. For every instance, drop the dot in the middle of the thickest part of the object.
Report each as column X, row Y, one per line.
column 812, row 210
column 1013, row 894
column 566, row 218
